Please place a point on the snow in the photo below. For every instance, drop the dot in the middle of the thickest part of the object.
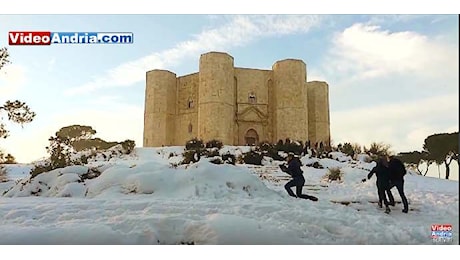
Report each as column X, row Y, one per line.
column 142, row 199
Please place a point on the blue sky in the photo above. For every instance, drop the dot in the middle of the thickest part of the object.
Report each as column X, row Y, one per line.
column 392, row 78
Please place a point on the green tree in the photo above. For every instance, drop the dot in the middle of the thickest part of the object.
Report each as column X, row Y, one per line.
column 4, row 55
column 59, row 150
column 416, row 159
column 16, row 111
column 76, row 133
column 443, row 148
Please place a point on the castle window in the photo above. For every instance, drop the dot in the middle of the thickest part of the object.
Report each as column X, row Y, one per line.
column 190, row 103
column 190, row 128
column 252, row 98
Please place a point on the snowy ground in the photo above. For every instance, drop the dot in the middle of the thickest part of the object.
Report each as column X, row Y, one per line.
column 141, row 199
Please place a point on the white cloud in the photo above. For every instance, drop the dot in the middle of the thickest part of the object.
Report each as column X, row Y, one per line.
column 397, row 18
column 368, row 60
column 105, row 100
column 403, row 125
column 239, row 30
column 12, row 78
column 51, row 64
column 365, row 51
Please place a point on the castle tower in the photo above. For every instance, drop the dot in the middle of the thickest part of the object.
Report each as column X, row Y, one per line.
column 290, row 110
column 160, row 108
column 216, row 97
column 318, row 112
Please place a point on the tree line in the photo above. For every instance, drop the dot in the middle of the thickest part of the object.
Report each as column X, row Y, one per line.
column 439, row 148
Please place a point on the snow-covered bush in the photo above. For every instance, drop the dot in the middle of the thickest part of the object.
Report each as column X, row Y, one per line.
column 128, row 146
column 269, row 150
column 211, row 152
column 214, row 144
column 229, row 158
column 191, row 156
column 194, row 144
column 290, row 147
column 65, row 182
column 252, row 157
column 315, row 165
column 216, row 160
column 334, row 174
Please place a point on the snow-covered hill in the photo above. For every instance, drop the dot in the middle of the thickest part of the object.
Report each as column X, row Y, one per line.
column 142, row 199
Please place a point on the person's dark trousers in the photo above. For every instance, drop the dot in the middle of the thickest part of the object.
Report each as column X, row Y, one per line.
column 391, row 199
column 298, row 183
column 399, row 184
column 381, row 189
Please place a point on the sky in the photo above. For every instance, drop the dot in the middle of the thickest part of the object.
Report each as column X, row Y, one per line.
column 392, row 78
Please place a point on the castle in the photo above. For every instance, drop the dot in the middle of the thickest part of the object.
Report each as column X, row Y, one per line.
column 239, row 106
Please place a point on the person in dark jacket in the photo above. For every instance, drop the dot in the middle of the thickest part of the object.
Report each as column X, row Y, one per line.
column 382, row 172
column 397, row 172
column 298, row 180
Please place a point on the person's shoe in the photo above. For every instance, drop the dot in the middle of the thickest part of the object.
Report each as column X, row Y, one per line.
column 380, row 204
column 405, row 210
column 387, row 210
column 392, row 203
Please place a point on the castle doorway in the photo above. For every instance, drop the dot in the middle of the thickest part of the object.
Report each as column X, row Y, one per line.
column 251, row 137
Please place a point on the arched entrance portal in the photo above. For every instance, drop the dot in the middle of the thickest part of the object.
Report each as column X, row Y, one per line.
column 251, row 137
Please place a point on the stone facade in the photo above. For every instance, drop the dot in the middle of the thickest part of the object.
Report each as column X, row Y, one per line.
column 238, row 106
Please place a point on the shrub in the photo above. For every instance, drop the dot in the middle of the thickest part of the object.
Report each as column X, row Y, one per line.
column 279, row 145
column 91, row 174
column 378, row 149
column 252, row 157
column 351, row 149
column 229, row 158
column 294, row 147
column 211, row 153
column 348, row 149
column 194, row 144
column 128, row 146
column 265, row 146
column 214, row 144
column 3, row 177
column 315, row 165
column 84, row 159
column 216, row 161
column 38, row 169
column 7, row 159
column 191, row 156
column 289, row 146
column 239, row 159
column 334, row 174
column 269, row 150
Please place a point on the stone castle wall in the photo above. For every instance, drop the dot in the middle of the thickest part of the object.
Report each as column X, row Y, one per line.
column 216, row 97
column 230, row 104
column 290, row 106
column 318, row 112
column 187, row 108
column 252, row 83
column 160, row 108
